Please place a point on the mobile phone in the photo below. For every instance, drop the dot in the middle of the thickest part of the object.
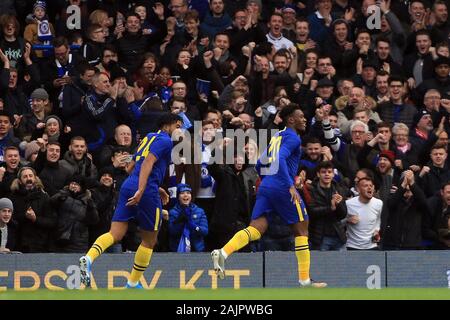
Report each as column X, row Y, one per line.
column 128, row 158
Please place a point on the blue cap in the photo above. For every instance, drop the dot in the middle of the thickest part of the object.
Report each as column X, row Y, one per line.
column 183, row 187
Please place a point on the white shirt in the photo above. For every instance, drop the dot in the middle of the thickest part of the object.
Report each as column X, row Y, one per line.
column 279, row 43
column 359, row 236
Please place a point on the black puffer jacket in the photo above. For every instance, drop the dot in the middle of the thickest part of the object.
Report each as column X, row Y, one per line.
column 84, row 167
column 53, row 175
column 404, row 223
column 234, row 193
column 105, row 200
column 75, row 214
column 33, row 236
column 323, row 221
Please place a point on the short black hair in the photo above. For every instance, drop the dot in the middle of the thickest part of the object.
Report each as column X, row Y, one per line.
column 444, row 184
column 168, row 119
column 396, row 78
column 312, row 140
column 6, row 114
column 324, row 165
column 287, row 111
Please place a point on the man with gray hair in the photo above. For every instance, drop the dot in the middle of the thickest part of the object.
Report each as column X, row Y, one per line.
column 347, row 153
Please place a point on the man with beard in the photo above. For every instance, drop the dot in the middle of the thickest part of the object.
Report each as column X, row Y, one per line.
column 315, row 153
column 33, row 212
column 109, row 60
column 48, row 167
column 381, row 85
column 364, row 217
column 422, row 131
column 432, row 103
column 77, row 161
column 441, row 27
column 406, row 208
column 76, row 211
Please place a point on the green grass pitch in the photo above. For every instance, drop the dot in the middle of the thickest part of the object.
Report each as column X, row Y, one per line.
column 232, row 294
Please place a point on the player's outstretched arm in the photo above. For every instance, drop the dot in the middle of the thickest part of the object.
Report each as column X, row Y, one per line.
column 146, row 170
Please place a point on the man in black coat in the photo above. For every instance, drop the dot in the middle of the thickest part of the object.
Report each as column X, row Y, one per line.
column 418, row 66
column 33, row 212
column 104, row 196
column 73, row 96
column 234, row 194
column 47, row 166
column 436, row 222
column 435, row 172
column 76, row 211
column 406, row 209
column 133, row 44
column 326, row 210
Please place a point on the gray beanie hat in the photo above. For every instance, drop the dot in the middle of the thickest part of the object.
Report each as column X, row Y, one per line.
column 40, row 94
column 6, row 203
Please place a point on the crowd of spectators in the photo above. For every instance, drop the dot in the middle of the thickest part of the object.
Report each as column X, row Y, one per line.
column 80, row 88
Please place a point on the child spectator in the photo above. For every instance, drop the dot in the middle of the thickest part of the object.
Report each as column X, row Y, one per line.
column 187, row 223
column 40, row 30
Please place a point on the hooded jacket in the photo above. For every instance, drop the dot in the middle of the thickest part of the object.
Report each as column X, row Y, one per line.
column 196, row 221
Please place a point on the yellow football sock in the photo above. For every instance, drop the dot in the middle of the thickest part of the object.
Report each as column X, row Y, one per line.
column 303, row 257
column 101, row 244
column 141, row 262
column 241, row 239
